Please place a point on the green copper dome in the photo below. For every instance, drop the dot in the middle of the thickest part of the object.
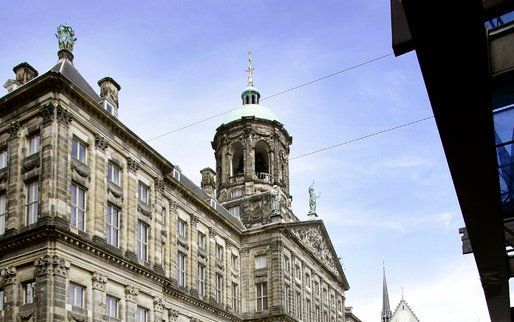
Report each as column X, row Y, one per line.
column 248, row 110
column 249, row 88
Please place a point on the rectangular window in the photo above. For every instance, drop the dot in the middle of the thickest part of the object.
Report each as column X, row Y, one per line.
column 1, row 299
column 307, row 280
column 113, row 174
column 113, row 225
column 32, row 202
column 262, row 296
column 142, row 241
column 235, row 297
column 212, row 203
column 261, row 262
column 287, row 264
column 3, row 159
column 34, row 144
column 298, row 305
column 78, row 206
column 176, row 174
column 219, row 252
column 316, row 288
column 78, row 150
column 219, row 289
column 111, row 306
column 181, row 228
column 76, row 295
column 235, row 263
column 143, row 193
column 29, row 292
column 201, row 241
column 109, row 107
column 3, row 212
column 181, row 269
column 201, row 280
column 308, row 309
column 235, row 211
column 298, row 272
column 236, row 193
column 141, row 314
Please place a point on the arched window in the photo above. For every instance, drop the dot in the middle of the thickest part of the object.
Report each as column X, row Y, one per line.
column 253, row 99
column 261, row 159
column 237, row 166
column 247, row 98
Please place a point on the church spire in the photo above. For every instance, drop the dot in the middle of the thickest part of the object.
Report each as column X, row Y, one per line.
column 386, row 307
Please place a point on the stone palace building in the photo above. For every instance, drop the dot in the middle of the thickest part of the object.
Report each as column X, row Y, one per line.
column 95, row 225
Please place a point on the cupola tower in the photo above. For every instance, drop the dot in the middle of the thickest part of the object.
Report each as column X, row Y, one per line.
column 252, row 149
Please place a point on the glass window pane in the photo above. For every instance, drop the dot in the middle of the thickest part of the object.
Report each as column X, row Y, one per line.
column 504, row 126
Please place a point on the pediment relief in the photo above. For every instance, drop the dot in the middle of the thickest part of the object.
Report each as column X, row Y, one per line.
column 314, row 239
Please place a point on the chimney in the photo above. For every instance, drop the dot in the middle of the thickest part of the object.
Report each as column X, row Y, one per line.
column 109, row 89
column 24, row 73
column 208, row 181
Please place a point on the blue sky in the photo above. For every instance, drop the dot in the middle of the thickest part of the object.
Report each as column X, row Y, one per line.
column 181, row 61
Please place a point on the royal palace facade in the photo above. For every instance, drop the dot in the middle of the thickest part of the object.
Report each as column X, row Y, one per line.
column 95, row 225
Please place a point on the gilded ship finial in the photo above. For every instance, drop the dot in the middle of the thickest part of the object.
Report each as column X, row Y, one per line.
column 66, row 37
column 250, row 69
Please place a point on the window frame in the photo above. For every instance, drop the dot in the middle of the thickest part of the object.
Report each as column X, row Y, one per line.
column 112, row 229
column 110, row 299
column 3, row 212
column 218, row 288
column 201, row 240
column 261, row 296
column 34, row 144
column 181, row 228
column 181, row 269
column 112, row 169
column 32, row 205
column 77, row 212
column 261, row 261
column 142, row 310
column 4, row 159
column 77, row 147
column 201, row 280
column 29, row 292
column 235, row 297
column 219, row 252
column 143, row 193
column 142, row 240
column 73, row 289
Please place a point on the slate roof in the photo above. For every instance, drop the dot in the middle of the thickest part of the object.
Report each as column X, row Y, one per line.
column 66, row 68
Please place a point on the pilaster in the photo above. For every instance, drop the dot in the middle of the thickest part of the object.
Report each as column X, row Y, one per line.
column 131, row 294
column 99, row 281
column 15, row 202
column 10, row 293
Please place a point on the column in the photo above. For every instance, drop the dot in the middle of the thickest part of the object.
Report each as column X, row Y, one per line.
column 211, row 269
column 194, row 255
column 51, row 275
column 10, row 295
column 97, row 215
column 130, row 212
column 131, row 294
column 244, row 271
column 61, row 153
column 158, row 307
column 15, row 199
column 46, row 184
column 99, row 281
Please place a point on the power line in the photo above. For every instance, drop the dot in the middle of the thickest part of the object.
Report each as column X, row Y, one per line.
column 274, row 95
column 362, row 137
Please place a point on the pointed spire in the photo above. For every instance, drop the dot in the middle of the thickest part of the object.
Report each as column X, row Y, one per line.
column 386, row 307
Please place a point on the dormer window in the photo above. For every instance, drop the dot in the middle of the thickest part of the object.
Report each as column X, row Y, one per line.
column 109, row 107
column 213, row 203
column 176, row 174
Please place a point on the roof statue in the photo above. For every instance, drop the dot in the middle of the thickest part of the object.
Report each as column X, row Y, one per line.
column 250, row 69
column 312, row 201
column 66, row 37
column 275, row 200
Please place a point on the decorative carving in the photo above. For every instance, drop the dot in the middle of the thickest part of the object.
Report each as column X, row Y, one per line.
column 144, row 209
column 276, row 245
column 131, row 293
column 159, row 185
column 262, row 273
column 194, row 221
column 212, row 232
column 114, row 194
column 30, row 163
column 51, row 264
column 173, row 206
column 158, row 304
column 312, row 238
column 132, row 165
column 243, row 252
column 48, row 112
column 14, row 129
column 63, row 115
column 24, row 316
column 8, row 274
column 99, row 281
column 173, row 314
column 100, row 142
column 76, row 317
